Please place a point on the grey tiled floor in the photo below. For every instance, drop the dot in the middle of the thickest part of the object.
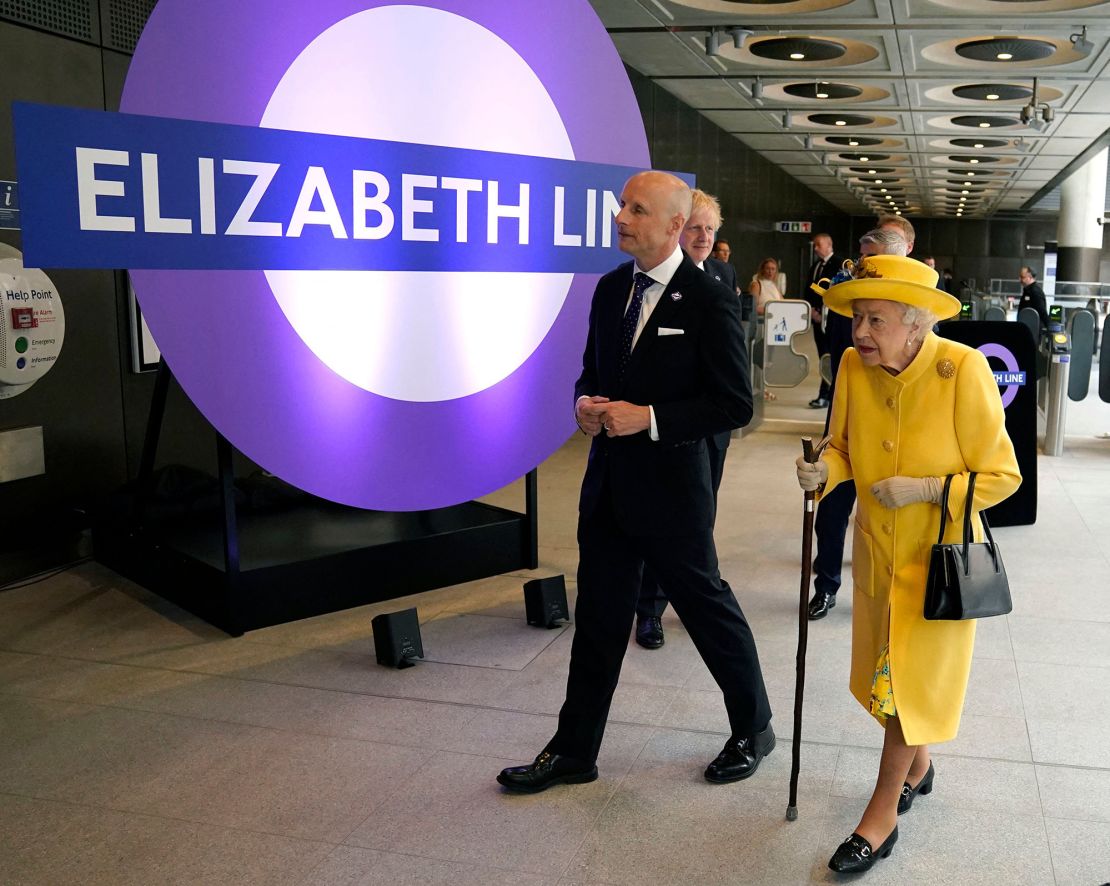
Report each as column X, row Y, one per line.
column 138, row 745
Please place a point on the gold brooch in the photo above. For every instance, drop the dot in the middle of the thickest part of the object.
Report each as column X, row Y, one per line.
column 946, row 368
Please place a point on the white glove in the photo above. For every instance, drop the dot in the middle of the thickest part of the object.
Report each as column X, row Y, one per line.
column 897, row 492
column 811, row 475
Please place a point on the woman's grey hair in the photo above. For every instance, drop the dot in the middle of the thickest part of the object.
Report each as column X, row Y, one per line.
column 884, row 242
column 922, row 318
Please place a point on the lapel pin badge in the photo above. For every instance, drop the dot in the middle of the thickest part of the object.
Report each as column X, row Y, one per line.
column 676, row 296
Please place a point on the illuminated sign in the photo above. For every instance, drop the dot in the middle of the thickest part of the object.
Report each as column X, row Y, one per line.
column 364, row 233
column 1009, row 379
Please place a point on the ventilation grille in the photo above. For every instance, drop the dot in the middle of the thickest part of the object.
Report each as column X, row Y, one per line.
column 70, row 18
column 125, row 22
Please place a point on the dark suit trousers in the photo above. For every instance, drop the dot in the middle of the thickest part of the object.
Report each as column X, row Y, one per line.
column 831, row 525
column 652, row 602
column 609, row 569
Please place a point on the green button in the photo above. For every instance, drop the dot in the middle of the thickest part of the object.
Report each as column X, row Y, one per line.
column 21, row 345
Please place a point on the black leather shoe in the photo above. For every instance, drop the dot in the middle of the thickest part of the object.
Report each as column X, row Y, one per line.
column 649, row 632
column 818, row 403
column 925, row 786
column 820, row 605
column 740, row 757
column 546, row 770
column 855, row 855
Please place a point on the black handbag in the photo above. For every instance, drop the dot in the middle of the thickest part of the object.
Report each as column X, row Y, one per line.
column 966, row 579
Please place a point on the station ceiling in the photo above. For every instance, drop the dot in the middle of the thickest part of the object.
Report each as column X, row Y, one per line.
column 914, row 105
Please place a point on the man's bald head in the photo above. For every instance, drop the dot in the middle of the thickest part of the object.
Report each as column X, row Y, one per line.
column 654, row 209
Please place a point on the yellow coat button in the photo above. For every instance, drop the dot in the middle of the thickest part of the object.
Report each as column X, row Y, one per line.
column 887, row 528
column 890, row 570
column 888, row 445
column 891, row 402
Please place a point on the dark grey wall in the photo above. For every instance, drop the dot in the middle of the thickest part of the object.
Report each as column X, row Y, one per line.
column 754, row 193
column 91, row 407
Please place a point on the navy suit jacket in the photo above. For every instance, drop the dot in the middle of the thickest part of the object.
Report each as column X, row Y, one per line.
column 696, row 382
column 721, row 271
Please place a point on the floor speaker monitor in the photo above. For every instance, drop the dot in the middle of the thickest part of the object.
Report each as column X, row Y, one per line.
column 397, row 638
column 545, row 601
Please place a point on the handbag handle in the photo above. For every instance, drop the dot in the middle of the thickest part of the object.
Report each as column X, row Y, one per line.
column 967, row 514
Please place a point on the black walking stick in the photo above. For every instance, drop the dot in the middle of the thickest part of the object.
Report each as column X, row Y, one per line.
column 811, row 455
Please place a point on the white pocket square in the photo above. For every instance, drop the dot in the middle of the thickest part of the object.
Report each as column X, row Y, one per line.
column 663, row 330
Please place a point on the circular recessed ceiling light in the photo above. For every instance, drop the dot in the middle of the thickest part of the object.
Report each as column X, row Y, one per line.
column 982, row 121
column 1002, row 56
column 1006, row 49
column 992, row 96
column 797, row 49
column 979, row 142
column 864, row 159
column 841, row 119
column 882, row 190
column 973, row 160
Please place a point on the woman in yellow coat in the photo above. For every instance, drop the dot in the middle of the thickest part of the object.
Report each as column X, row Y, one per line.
column 909, row 409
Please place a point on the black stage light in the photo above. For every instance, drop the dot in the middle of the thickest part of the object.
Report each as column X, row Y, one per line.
column 545, row 601
column 397, row 638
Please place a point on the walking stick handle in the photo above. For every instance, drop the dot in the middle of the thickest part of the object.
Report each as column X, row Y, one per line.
column 807, row 450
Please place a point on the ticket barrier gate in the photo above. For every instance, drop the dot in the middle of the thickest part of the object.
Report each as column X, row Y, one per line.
column 775, row 362
column 1068, row 356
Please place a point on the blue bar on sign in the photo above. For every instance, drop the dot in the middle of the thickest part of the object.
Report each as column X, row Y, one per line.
column 106, row 190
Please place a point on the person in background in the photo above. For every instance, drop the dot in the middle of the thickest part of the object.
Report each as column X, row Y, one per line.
column 947, row 281
column 931, row 262
column 831, row 523
column 1032, row 296
column 909, row 409
column 696, row 241
column 825, row 265
column 769, row 284
column 721, row 250
column 901, row 225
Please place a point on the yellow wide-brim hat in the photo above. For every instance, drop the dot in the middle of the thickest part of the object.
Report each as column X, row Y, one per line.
column 893, row 278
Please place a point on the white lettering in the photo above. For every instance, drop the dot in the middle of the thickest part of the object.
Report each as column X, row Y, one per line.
column 591, row 221
column 153, row 220
column 462, row 188
column 316, row 182
column 363, row 203
column 89, row 187
column 495, row 212
column 610, row 207
column 241, row 224
column 206, row 176
column 410, row 206
column 561, row 237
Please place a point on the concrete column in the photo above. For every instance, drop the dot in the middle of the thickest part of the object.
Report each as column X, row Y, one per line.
column 1082, row 203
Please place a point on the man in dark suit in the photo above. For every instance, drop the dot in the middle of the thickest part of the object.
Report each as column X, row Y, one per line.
column 1032, row 296
column 664, row 368
column 697, row 242
column 825, row 265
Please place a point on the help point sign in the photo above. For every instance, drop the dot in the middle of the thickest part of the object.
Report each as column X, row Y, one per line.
column 364, row 233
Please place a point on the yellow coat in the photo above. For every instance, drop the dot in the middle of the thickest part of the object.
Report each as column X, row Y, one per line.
column 941, row 415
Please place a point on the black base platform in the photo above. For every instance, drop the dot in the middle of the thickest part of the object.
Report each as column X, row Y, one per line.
column 312, row 558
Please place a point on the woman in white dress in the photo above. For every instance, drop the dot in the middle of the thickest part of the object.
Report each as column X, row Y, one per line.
column 768, row 285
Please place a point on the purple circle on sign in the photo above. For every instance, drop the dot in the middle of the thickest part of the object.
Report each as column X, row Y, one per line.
column 1010, row 362
column 234, row 351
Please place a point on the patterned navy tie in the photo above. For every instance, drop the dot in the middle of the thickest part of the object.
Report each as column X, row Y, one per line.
column 631, row 318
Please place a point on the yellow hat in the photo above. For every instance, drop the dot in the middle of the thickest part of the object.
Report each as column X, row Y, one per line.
column 893, row 278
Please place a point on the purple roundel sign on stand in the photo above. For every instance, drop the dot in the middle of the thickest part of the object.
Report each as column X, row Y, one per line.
column 428, row 357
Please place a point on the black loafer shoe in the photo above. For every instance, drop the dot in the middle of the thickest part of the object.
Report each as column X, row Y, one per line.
column 820, row 605
column 855, row 855
column 649, row 632
column 740, row 757
column 818, row 403
column 925, row 786
column 546, row 770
